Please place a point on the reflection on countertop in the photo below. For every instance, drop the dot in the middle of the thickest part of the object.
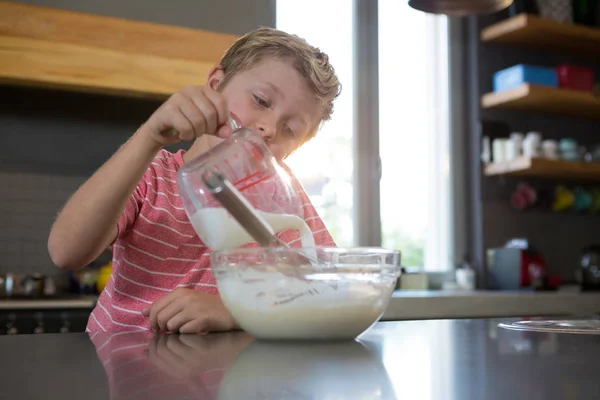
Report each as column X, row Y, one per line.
column 449, row 359
column 234, row 366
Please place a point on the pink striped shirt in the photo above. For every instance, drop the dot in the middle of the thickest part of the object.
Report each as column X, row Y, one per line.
column 158, row 251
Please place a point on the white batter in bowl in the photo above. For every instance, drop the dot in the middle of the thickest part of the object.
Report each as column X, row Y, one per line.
column 272, row 298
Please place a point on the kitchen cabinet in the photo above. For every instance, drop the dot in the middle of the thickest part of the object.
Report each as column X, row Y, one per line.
column 47, row 47
column 49, row 315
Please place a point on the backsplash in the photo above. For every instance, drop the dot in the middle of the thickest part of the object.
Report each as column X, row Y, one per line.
column 29, row 204
column 50, row 143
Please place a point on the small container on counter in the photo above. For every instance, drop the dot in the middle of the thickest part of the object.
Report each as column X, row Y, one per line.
column 465, row 276
column 25, row 285
column 83, row 281
column 588, row 274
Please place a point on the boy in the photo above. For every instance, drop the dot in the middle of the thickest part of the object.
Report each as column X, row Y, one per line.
column 270, row 81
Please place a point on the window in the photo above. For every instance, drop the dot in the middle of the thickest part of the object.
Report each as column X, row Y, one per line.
column 415, row 194
column 324, row 165
column 414, row 135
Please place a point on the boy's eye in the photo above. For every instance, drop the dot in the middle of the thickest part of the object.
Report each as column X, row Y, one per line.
column 260, row 101
column 288, row 131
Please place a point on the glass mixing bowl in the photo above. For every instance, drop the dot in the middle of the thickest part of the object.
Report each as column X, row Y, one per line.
column 271, row 296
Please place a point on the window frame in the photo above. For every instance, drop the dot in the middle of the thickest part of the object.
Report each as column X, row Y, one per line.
column 367, row 163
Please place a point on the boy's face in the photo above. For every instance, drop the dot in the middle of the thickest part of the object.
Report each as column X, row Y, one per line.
column 274, row 100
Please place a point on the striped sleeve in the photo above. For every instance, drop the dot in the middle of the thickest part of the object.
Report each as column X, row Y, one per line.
column 311, row 216
column 134, row 203
column 314, row 221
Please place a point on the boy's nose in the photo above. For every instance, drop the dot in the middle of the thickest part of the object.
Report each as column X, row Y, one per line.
column 266, row 132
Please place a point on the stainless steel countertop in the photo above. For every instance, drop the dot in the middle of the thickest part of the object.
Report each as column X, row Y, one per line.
column 443, row 359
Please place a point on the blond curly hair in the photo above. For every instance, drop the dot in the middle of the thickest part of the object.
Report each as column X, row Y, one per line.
column 309, row 61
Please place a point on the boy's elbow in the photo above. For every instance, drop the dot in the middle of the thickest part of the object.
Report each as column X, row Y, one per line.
column 61, row 255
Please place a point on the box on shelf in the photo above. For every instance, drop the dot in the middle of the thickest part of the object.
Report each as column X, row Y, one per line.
column 519, row 74
column 576, row 78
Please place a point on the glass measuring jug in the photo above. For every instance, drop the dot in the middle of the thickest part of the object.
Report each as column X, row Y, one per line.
column 244, row 160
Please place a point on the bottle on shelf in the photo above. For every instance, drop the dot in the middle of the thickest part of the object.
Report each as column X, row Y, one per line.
column 465, row 275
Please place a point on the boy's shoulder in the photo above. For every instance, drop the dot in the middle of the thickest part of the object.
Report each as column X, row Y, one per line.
column 161, row 174
column 165, row 164
column 167, row 159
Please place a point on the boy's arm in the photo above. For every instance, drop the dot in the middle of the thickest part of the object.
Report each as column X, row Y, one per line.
column 88, row 223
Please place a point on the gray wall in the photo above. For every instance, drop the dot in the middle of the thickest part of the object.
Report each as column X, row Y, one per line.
column 560, row 237
column 51, row 141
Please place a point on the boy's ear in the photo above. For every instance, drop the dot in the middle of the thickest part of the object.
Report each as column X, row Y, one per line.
column 215, row 77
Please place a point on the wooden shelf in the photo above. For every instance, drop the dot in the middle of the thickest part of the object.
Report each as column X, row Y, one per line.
column 541, row 168
column 545, row 99
column 47, row 47
column 538, row 33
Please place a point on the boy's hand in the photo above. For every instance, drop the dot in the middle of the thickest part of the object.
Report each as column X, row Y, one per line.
column 185, row 356
column 189, row 311
column 188, row 114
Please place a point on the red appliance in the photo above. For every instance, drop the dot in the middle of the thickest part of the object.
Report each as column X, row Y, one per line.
column 576, row 78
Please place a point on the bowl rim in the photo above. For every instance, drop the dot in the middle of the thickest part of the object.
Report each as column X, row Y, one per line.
column 386, row 268
column 332, row 249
